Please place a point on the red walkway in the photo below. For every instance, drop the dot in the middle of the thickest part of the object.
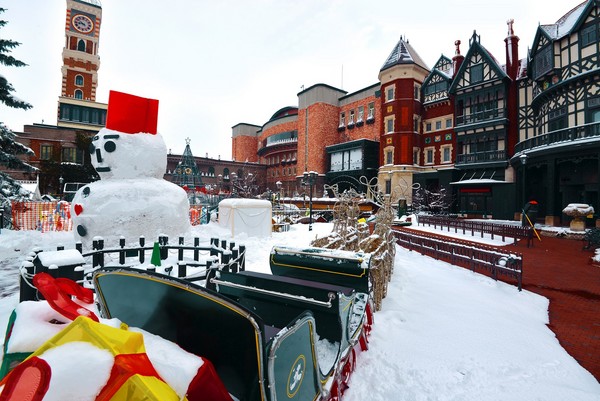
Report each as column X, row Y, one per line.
column 558, row 269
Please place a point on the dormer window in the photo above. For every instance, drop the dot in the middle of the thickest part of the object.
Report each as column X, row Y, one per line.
column 543, row 62
column 476, row 73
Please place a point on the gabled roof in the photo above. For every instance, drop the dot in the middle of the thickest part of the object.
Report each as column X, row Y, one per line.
column 445, row 65
column 403, row 53
column 568, row 22
column 476, row 46
column 436, row 72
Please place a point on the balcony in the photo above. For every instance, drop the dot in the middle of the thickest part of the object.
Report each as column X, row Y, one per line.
column 480, row 116
column 565, row 136
column 481, row 157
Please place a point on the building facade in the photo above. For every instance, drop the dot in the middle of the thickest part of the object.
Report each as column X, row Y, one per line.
column 492, row 134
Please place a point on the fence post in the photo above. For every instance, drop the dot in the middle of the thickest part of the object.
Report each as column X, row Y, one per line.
column 196, row 250
column 122, row 251
column 210, row 273
column 181, row 269
column 98, row 257
column 142, row 255
column 214, row 242
column 225, row 258
column 242, row 264
column 79, row 246
column 180, row 251
column 163, row 241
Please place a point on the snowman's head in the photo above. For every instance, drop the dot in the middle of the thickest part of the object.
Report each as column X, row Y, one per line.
column 118, row 155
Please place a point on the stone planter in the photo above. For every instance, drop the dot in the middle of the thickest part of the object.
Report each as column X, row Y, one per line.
column 578, row 212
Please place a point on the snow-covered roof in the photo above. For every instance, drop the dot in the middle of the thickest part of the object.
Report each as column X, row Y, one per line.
column 403, row 53
column 565, row 24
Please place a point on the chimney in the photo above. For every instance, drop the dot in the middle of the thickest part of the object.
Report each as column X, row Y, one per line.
column 457, row 59
column 512, row 51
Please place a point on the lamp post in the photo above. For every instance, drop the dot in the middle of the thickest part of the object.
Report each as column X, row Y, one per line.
column 61, row 180
column 279, row 184
column 310, row 179
column 523, row 159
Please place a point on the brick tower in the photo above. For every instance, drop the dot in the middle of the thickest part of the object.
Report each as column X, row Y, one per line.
column 77, row 101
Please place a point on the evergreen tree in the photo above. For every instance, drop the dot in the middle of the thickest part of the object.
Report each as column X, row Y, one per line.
column 10, row 149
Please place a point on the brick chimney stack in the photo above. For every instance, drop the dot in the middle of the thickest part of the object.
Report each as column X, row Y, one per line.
column 457, row 59
column 512, row 51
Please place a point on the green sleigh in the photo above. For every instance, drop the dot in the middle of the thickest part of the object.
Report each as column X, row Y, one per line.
column 290, row 335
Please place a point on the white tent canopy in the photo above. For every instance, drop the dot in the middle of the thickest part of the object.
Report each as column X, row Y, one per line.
column 250, row 216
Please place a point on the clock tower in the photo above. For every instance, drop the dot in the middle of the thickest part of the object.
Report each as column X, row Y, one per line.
column 77, row 101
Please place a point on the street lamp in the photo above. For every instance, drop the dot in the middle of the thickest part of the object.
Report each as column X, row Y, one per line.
column 310, row 179
column 279, row 184
column 523, row 159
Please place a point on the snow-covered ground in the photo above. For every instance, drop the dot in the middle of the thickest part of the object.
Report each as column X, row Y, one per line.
column 444, row 333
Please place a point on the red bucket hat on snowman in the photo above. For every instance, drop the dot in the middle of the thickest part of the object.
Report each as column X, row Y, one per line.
column 131, row 114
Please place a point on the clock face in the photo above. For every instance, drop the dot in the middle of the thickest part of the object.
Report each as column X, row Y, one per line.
column 83, row 23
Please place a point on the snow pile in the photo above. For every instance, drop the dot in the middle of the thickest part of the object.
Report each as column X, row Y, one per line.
column 444, row 333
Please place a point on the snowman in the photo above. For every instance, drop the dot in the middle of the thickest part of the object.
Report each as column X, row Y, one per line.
column 131, row 199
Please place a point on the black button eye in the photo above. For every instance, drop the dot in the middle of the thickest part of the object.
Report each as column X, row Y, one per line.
column 92, row 148
column 110, row 146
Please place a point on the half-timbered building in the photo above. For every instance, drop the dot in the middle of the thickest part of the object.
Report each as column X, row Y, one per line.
column 557, row 156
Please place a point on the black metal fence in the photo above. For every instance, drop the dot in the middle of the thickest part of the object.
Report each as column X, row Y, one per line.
column 193, row 262
column 479, row 228
column 465, row 254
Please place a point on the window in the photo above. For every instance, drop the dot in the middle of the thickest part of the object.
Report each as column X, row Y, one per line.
column 45, row 152
column 476, row 73
column 69, row 155
column 388, row 187
column 543, row 62
column 79, row 80
column 81, row 45
column 78, row 94
column 351, row 118
column 446, row 154
column 416, row 125
column 448, row 123
column 557, row 119
column 429, row 156
column 389, row 156
column 428, row 127
column 342, row 119
column 361, row 112
column 416, row 156
column 588, row 35
column 389, row 124
column 389, row 93
column 371, row 115
column 417, row 92
column 438, row 125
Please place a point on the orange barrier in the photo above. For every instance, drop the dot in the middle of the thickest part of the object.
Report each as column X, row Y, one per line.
column 56, row 216
column 42, row 216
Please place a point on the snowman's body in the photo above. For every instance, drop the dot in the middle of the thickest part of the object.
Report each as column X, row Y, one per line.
column 131, row 199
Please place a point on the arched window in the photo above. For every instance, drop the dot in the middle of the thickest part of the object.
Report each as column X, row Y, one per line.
column 81, row 45
column 79, row 80
column 211, row 171
column 226, row 173
column 78, row 94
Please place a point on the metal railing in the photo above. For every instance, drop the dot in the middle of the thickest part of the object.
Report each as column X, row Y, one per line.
column 565, row 136
column 465, row 254
column 479, row 228
column 481, row 157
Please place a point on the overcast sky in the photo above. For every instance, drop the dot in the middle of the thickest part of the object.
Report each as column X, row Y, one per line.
column 214, row 64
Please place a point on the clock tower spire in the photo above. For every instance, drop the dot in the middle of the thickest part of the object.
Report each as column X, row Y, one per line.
column 77, row 101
